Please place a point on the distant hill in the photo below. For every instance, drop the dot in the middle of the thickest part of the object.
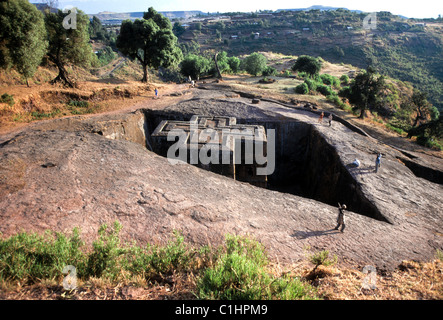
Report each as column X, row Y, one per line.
column 409, row 50
column 321, row 8
column 116, row 18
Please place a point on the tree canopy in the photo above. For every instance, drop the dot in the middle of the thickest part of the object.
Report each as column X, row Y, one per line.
column 194, row 66
column 22, row 36
column 149, row 40
column 365, row 90
column 255, row 63
column 308, row 64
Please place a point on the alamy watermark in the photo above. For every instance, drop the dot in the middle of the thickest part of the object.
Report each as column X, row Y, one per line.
column 70, row 21
column 370, row 281
column 70, row 281
column 223, row 147
column 370, row 21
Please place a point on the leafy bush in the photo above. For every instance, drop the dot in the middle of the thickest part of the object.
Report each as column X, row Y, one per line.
column 7, row 98
column 312, row 84
column 429, row 142
column 240, row 274
column 308, row 64
column 336, row 100
column 255, row 63
column 153, row 260
column 36, row 115
column 325, row 90
column 106, row 55
column 330, row 80
column 322, row 258
column 302, row 88
column 238, row 270
column 344, row 79
column 269, row 71
column 30, row 257
column 395, row 129
column 195, row 66
column 80, row 104
column 234, row 64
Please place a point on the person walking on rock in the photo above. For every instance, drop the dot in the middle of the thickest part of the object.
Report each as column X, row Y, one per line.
column 156, row 93
column 330, row 119
column 320, row 120
column 341, row 217
column 377, row 162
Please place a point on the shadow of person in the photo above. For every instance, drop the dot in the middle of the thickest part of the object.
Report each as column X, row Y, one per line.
column 300, row 235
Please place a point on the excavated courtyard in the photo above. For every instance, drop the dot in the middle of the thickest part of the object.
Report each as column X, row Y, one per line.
column 86, row 171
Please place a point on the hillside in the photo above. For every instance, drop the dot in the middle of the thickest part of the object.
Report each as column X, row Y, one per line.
column 408, row 50
column 110, row 18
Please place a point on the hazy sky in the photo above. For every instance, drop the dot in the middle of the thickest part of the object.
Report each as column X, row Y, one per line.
column 414, row 9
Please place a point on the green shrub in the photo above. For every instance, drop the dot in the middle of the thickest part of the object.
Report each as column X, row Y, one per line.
column 322, row 258
column 234, row 64
column 325, row 90
column 312, row 84
column 240, row 274
column 269, row 71
column 154, row 260
column 107, row 253
column 302, row 88
column 287, row 73
column 80, row 104
column 429, row 142
column 255, row 63
column 395, row 129
column 30, row 257
column 106, row 55
column 330, row 80
column 308, row 64
column 336, row 100
column 344, row 79
column 7, row 98
column 43, row 115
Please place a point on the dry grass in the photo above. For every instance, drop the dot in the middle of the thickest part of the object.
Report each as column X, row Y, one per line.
column 411, row 281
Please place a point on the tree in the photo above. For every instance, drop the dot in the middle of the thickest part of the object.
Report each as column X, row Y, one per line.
column 149, row 40
column 308, row 64
column 364, row 91
column 424, row 110
column 68, row 44
column 178, row 29
column 234, row 64
column 255, row 63
column 22, row 37
column 194, row 66
column 96, row 29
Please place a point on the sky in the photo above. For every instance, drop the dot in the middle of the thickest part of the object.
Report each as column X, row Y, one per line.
column 408, row 8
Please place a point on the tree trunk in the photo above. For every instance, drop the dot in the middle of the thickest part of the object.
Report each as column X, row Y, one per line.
column 145, row 74
column 216, row 66
column 62, row 74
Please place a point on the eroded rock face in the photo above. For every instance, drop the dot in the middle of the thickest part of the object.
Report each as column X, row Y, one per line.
column 95, row 180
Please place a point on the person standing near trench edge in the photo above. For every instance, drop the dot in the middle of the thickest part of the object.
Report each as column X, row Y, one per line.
column 341, row 217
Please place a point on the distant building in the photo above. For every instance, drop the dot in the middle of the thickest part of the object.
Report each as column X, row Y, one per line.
column 306, row 29
column 256, row 35
column 234, row 37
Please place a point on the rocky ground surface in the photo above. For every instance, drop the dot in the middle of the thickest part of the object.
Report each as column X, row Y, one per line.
column 86, row 171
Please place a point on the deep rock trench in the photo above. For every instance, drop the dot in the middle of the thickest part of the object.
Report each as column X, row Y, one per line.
column 305, row 164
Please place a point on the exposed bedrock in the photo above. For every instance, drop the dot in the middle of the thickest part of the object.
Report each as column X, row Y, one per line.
column 84, row 172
